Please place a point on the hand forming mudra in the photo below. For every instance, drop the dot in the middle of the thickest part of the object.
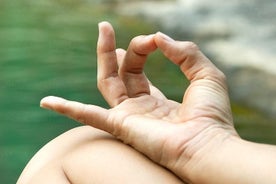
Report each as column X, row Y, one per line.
column 179, row 136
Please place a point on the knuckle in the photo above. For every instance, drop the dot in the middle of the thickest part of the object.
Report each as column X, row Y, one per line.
column 134, row 45
column 134, row 41
column 219, row 77
column 190, row 48
column 81, row 115
column 191, row 45
column 104, row 83
column 222, row 78
column 99, row 85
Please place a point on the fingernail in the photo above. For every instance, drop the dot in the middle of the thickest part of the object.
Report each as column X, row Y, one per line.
column 165, row 37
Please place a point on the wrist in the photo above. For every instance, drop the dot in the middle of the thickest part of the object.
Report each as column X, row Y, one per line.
column 207, row 155
column 233, row 161
column 213, row 164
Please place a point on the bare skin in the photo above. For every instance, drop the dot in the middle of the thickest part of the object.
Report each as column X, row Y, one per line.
column 194, row 139
column 87, row 155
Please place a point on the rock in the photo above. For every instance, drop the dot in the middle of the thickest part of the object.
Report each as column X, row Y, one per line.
column 239, row 36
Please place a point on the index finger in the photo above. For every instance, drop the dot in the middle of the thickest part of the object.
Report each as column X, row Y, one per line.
column 131, row 69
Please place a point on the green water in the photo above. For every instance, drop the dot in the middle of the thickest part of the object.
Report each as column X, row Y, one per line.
column 47, row 47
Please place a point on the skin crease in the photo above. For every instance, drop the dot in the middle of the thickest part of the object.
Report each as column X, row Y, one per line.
column 194, row 139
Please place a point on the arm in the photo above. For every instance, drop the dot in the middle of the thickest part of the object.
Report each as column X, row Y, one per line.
column 194, row 139
column 235, row 161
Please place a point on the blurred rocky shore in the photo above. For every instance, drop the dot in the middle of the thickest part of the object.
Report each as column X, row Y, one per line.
column 239, row 36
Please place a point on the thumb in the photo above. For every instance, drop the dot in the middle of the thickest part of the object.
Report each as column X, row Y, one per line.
column 193, row 63
column 207, row 94
column 87, row 114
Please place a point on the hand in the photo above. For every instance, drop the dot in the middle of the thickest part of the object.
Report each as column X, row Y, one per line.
column 175, row 135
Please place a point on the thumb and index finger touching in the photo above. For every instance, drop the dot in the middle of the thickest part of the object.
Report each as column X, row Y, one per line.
column 187, row 55
column 118, row 83
column 192, row 62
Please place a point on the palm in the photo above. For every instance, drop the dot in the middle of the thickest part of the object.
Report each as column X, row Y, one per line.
column 153, row 118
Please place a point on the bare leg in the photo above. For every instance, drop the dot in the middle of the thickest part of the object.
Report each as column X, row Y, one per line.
column 87, row 155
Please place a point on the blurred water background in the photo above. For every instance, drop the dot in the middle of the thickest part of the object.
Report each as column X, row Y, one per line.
column 47, row 47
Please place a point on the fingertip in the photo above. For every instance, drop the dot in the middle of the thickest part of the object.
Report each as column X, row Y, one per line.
column 165, row 43
column 103, row 24
column 106, row 38
column 120, row 51
column 142, row 45
column 43, row 102
column 163, row 37
column 120, row 56
column 49, row 101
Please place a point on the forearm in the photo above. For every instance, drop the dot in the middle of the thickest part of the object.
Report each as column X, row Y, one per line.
column 237, row 161
column 253, row 163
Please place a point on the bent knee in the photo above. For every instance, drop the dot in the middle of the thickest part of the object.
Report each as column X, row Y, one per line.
column 69, row 141
column 104, row 159
column 53, row 153
column 85, row 154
